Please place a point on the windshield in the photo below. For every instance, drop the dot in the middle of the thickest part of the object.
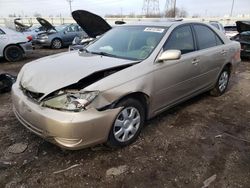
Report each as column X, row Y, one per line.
column 128, row 42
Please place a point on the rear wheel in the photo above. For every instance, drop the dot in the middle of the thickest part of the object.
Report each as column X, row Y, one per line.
column 56, row 43
column 127, row 124
column 222, row 83
column 13, row 53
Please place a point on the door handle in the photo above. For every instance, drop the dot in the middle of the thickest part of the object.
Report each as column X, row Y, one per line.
column 223, row 52
column 195, row 61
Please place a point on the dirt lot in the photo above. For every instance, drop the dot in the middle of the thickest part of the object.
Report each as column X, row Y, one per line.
column 206, row 138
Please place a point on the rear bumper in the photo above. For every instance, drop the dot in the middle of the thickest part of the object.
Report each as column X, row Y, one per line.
column 68, row 130
column 27, row 47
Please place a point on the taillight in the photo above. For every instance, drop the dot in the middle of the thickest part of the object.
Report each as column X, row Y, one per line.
column 29, row 38
column 237, row 55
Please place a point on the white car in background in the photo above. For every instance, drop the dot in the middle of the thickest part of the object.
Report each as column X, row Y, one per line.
column 218, row 26
column 14, row 45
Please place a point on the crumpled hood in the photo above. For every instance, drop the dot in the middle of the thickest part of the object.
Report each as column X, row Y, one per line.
column 51, row 73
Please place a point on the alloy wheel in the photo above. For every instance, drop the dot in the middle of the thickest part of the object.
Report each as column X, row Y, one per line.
column 223, row 81
column 126, row 124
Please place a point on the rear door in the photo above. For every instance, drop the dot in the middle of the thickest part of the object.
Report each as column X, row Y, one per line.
column 212, row 54
column 176, row 79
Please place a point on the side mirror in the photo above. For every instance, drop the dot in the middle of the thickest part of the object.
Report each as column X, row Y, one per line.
column 65, row 32
column 170, row 55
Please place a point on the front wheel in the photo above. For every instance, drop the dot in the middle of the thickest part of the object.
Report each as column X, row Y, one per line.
column 127, row 124
column 222, row 83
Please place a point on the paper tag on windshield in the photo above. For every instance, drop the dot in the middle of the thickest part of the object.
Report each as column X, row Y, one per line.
column 154, row 29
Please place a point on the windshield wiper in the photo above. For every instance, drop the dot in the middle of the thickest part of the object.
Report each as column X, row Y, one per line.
column 104, row 54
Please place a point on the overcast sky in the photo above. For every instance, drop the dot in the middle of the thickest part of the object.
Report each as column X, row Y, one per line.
column 103, row 7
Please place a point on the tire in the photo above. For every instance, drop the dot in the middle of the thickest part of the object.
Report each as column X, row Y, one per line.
column 222, row 83
column 130, row 125
column 13, row 53
column 56, row 43
column 6, row 81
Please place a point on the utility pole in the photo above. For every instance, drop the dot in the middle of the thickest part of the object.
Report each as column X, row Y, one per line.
column 70, row 7
column 232, row 8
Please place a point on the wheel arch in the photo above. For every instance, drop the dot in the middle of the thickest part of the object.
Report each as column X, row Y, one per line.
column 17, row 44
column 139, row 96
column 229, row 66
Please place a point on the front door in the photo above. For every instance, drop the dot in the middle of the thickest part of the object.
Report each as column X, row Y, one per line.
column 176, row 79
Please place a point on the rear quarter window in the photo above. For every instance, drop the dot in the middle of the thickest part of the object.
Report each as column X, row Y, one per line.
column 206, row 37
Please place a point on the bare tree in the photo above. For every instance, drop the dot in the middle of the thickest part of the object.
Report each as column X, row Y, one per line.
column 196, row 16
column 36, row 14
column 12, row 15
column 182, row 13
column 176, row 13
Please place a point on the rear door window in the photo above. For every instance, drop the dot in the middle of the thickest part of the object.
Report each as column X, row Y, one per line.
column 181, row 39
column 206, row 37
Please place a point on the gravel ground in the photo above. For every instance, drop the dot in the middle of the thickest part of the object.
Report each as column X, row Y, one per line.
column 203, row 142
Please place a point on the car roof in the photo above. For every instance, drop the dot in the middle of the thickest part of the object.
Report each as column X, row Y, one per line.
column 151, row 23
column 7, row 30
column 161, row 23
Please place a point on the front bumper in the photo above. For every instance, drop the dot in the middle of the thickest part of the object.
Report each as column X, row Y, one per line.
column 41, row 42
column 70, row 130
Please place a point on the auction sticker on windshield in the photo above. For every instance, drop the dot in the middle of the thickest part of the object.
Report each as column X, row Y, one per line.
column 154, row 29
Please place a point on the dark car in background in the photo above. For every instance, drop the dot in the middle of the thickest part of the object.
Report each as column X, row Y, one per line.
column 58, row 36
column 243, row 27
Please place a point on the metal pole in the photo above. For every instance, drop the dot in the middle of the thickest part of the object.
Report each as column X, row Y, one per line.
column 174, row 8
column 232, row 8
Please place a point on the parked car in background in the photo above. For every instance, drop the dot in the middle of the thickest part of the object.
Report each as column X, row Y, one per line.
column 58, row 36
column 243, row 27
column 28, row 30
column 231, row 31
column 92, row 24
column 218, row 26
column 133, row 72
column 20, row 26
column 13, row 45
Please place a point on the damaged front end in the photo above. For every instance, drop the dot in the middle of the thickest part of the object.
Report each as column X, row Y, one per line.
column 74, row 98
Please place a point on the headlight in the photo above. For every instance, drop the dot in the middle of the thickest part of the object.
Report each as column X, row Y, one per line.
column 71, row 101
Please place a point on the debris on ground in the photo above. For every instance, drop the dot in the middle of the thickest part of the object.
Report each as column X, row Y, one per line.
column 218, row 136
column 208, row 181
column 64, row 170
column 17, row 148
column 116, row 171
